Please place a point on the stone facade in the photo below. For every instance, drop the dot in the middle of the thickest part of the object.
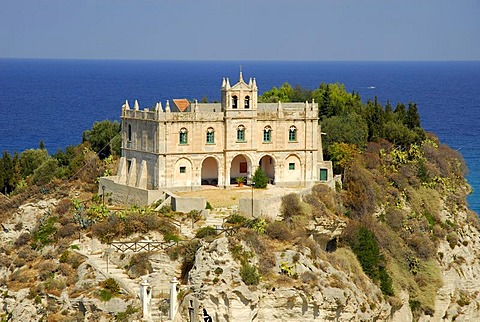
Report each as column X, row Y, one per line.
column 181, row 146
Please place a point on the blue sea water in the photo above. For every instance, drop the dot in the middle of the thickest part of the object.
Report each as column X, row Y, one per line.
column 56, row 100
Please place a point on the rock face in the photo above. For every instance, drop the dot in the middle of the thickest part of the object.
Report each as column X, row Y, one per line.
column 216, row 285
column 300, row 286
column 459, row 297
column 336, row 293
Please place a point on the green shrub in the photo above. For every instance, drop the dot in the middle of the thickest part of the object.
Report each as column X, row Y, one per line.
column 112, row 285
column 171, row 237
column 45, row 233
column 258, row 225
column 125, row 316
column 206, row 232
column 105, row 295
column 249, row 274
column 45, row 172
column 385, row 282
column 236, row 219
column 260, row 179
column 414, row 305
column 365, row 247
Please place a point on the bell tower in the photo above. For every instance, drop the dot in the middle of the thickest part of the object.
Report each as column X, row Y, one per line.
column 241, row 96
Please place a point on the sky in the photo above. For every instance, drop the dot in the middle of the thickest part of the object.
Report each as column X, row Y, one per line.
column 241, row 30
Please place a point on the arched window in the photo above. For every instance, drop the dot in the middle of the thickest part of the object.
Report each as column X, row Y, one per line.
column 241, row 133
column 267, row 134
column 183, row 136
column 292, row 134
column 234, row 101
column 129, row 132
column 247, row 101
column 210, row 135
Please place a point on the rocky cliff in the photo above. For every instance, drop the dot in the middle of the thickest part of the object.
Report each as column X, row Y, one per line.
column 396, row 243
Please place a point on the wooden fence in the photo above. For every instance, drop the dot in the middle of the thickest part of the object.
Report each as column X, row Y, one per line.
column 142, row 246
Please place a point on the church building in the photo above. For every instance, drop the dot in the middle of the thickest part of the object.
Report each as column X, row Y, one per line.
column 185, row 145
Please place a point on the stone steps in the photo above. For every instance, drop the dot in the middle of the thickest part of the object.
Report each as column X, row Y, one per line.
column 110, row 270
column 156, row 314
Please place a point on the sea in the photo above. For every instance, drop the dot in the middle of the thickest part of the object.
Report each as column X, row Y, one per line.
column 56, row 100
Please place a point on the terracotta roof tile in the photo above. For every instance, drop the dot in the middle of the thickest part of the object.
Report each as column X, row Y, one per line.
column 181, row 104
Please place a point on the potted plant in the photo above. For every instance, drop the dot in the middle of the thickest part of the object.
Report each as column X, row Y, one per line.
column 240, row 181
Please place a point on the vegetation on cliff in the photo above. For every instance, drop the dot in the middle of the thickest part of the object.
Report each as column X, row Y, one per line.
column 397, row 180
column 398, row 184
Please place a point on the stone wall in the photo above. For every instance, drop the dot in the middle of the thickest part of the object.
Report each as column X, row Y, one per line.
column 123, row 194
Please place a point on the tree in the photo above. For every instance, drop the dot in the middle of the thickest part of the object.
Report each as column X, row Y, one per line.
column 30, row 160
column 301, row 94
column 283, row 94
column 351, row 129
column 400, row 113
column 325, row 108
column 17, row 173
column 64, row 158
column 412, row 118
column 365, row 247
column 342, row 155
column 375, row 117
column 104, row 138
column 45, row 172
column 6, row 172
column 388, row 112
column 260, row 179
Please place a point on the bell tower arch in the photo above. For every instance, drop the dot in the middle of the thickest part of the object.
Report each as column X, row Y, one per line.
column 241, row 96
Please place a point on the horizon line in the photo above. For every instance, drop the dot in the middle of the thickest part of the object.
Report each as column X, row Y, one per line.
column 242, row 60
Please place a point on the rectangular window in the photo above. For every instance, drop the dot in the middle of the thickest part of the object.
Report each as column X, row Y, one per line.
column 323, row 174
column 183, row 138
column 210, row 137
column 292, row 136
column 267, row 136
column 291, row 166
column 183, row 169
column 241, row 135
column 243, row 167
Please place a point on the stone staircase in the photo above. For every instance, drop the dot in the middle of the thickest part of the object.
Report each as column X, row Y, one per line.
column 110, row 270
column 156, row 314
column 162, row 275
column 216, row 217
column 163, row 272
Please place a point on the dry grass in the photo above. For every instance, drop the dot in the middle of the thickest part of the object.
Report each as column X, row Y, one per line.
column 345, row 260
column 22, row 278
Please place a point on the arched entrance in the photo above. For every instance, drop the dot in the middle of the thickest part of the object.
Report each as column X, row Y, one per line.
column 240, row 167
column 267, row 163
column 210, row 171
